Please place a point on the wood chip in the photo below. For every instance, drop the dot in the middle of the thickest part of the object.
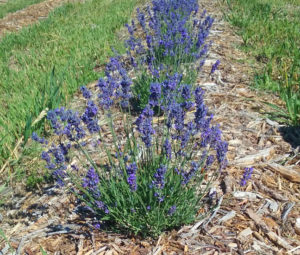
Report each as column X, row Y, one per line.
column 278, row 240
column 228, row 216
column 258, row 236
column 262, row 155
column 257, row 219
column 275, row 195
column 272, row 205
column 102, row 249
column 246, row 232
column 246, row 195
column 232, row 245
column 286, row 210
column 297, row 226
column 291, row 173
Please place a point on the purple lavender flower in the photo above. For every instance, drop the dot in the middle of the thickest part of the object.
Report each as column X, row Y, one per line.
column 141, row 19
column 102, row 206
column 209, row 161
column 215, row 66
column 221, row 150
column 97, row 225
column 159, row 177
column 187, row 133
column 126, row 91
column 172, row 210
column 106, row 92
column 144, row 126
column 89, row 117
column 201, row 110
column 131, row 172
column 155, row 94
column 167, row 34
column 186, row 92
column 188, row 175
column 85, row 92
column 66, row 122
column 247, row 175
column 115, row 86
column 177, row 114
column 38, row 139
column 130, row 29
column 58, row 154
column 168, row 149
column 159, row 197
column 59, row 174
column 45, row 156
column 91, row 179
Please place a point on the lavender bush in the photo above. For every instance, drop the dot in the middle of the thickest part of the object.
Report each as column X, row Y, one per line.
column 171, row 39
column 148, row 173
column 156, row 170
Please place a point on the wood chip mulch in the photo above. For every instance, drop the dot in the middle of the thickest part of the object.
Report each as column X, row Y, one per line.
column 261, row 218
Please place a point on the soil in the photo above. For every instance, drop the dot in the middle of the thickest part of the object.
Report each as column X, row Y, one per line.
column 262, row 217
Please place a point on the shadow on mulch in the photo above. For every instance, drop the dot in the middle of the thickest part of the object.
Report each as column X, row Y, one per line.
column 291, row 135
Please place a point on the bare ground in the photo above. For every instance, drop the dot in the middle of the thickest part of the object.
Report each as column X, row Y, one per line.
column 257, row 219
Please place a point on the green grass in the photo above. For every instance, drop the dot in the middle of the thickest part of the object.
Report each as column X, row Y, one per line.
column 43, row 65
column 15, row 5
column 270, row 30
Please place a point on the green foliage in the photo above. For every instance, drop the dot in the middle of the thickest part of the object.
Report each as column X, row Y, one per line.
column 141, row 91
column 33, row 180
column 271, row 33
column 4, row 237
column 43, row 251
column 49, row 97
column 141, row 212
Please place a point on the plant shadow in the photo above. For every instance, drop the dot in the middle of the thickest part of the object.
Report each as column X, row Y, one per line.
column 291, row 134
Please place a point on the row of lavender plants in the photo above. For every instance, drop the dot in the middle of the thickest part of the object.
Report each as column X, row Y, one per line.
column 144, row 152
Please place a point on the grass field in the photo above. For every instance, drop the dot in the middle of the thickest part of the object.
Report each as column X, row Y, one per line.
column 42, row 65
column 271, row 34
column 15, row 5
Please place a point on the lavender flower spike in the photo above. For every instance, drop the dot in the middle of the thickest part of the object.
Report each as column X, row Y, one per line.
column 85, row 92
column 215, row 66
column 247, row 175
column 172, row 210
column 159, row 177
column 91, row 179
column 144, row 126
column 131, row 171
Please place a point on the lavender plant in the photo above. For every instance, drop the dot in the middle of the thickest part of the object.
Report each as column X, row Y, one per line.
column 150, row 173
column 171, row 39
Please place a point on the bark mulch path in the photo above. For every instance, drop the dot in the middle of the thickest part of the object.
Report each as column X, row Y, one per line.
column 261, row 218
column 13, row 22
